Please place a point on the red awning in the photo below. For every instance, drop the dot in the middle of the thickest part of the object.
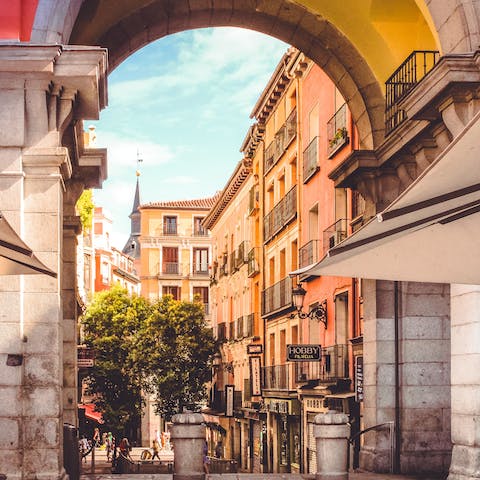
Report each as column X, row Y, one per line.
column 91, row 413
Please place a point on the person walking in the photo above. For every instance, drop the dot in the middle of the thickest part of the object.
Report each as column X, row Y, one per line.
column 206, row 460
column 109, row 442
column 96, row 437
column 156, row 449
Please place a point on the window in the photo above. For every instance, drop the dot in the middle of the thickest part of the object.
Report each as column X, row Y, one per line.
column 172, row 290
column 200, row 260
column 202, row 294
column 198, row 229
column 169, row 225
column 170, row 260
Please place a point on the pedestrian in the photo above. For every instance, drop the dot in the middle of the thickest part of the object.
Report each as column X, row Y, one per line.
column 156, row 449
column 84, row 446
column 96, row 437
column 219, row 449
column 125, row 448
column 109, row 442
column 206, row 459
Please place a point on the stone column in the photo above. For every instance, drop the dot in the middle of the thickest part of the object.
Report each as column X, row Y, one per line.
column 331, row 432
column 39, row 94
column 465, row 380
column 424, row 369
column 188, row 437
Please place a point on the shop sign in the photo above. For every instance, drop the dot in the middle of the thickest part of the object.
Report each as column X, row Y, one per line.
column 255, row 349
column 302, row 353
column 255, row 376
column 359, row 378
column 288, row 407
column 229, row 396
column 85, row 357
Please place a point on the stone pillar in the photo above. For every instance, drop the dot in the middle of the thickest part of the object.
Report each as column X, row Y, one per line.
column 188, row 437
column 38, row 107
column 331, row 432
column 424, row 369
column 465, row 379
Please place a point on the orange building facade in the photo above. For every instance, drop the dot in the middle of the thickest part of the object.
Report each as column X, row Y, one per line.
column 289, row 212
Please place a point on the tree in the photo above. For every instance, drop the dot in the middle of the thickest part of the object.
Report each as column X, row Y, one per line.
column 110, row 326
column 85, row 208
column 176, row 347
column 162, row 348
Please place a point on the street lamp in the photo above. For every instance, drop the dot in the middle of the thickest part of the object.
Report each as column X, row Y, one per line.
column 318, row 312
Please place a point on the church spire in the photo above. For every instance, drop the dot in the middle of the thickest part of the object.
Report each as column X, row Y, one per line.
column 132, row 247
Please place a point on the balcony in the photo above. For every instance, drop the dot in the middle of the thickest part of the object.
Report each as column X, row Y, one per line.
column 249, row 324
column 310, row 160
column 241, row 254
column 276, row 377
column 332, row 366
column 240, row 328
column 252, row 261
column 200, row 269
column 223, row 266
column 231, row 330
column 170, row 229
column 309, row 253
column 402, row 81
column 284, row 136
column 278, row 297
column 233, row 262
column 169, row 268
column 334, row 234
column 337, row 133
column 252, row 200
column 281, row 215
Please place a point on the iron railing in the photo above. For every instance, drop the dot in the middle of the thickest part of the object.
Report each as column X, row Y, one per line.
column 332, row 366
column 249, row 324
column 223, row 265
column 281, row 214
column 252, row 260
column 276, row 377
column 309, row 253
column 241, row 254
column 337, row 133
column 252, row 200
column 221, row 331
column 200, row 268
column 170, row 268
column 290, row 127
column 310, row 160
column 233, row 262
column 231, row 330
column 277, row 297
column 240, row 328
column 170, row 229
column 334, row 234
column 402, row 81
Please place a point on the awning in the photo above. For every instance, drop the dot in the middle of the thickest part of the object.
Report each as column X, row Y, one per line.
column 430, row 233
column 15, row 256
column 91, row 413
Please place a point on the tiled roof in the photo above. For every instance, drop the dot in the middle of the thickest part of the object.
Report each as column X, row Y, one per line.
column 200, row 203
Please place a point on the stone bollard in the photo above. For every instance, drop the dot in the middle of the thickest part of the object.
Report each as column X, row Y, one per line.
column 331, row 432
column 188, row 437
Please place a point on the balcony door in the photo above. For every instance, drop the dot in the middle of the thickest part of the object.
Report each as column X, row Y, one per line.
column 200, row 260
column 170, row 260
column 169, row 225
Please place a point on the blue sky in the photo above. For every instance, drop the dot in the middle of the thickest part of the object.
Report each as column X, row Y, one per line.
column 184, row 104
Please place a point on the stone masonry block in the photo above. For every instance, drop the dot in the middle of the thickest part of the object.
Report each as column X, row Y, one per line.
column 426, row 351
column 42, row 231
column 426, row 305
column 9, row 376
column 12, row 120
column 465, row 399
column 465, row 369
column 10, row 341
column 385, row 396
column 425, row 397
column 11, row 160
column 428, row 419
column 41, row 370
column 385, row 374
column 9, row 433
column 42, row 401
column 420, row 288
column 42, row 431
column 422, row 328
column 466, row 429
column 435, row 373
column 466, row 339
column 42, row 338
column 11, row 193
column 69, row 330
column 39, row 306
column 45, row 460
column 10, row 401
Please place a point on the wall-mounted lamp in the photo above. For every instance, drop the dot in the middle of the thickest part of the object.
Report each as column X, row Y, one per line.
column 217, row 364
column 319, row 312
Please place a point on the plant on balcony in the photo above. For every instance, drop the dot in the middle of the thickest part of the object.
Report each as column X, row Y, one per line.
column 340, row 134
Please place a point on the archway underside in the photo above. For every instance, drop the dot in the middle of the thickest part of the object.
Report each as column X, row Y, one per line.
column 131, row 28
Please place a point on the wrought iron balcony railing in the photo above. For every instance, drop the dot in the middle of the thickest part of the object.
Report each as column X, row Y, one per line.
column 310, row 160
column 334, row 234
column 332, row 366
column 277, row 297
column 170, row 268
column 170, row 229
column 276, row 377
column 249, row 324
column 402, row 81
column 252, row 200
column 253, row 261
column 222, row 332
column 337, row 133
column 291, row 127
column 281, row 214
column 309, row 253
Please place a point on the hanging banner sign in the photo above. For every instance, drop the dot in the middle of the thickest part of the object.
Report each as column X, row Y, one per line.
column 255, row 376
column 229, row 403
column 302, row 353
column 359, row 378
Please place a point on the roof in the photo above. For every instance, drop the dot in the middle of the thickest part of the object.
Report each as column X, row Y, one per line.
column 200, row 203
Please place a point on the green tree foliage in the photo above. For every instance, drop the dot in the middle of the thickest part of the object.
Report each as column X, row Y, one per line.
column 176, row 346
column 110, row 326
column 162, row 348
column 85, row 208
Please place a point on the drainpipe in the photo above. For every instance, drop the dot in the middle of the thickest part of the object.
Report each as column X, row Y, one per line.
column 396, row 460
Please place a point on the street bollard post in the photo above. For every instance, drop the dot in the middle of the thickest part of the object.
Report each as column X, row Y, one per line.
column 331, row 431
column 188, row 437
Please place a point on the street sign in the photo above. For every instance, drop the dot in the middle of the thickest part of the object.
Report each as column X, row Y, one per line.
column 255, row 376
column 304, row 353
column 254, row 349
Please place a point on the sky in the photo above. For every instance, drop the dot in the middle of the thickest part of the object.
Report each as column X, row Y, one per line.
column 182, row 105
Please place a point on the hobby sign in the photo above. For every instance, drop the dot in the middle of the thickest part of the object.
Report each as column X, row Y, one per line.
column 301, row 353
